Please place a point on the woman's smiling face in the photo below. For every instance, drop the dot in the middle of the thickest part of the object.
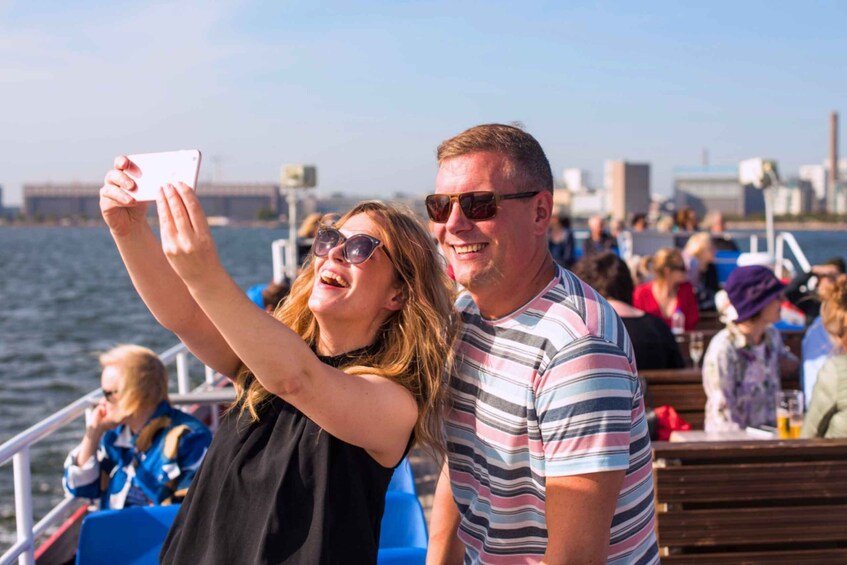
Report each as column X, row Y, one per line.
column 342, row 290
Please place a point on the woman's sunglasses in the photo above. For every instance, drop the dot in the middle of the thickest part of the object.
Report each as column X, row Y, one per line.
column 357, row 248
column 481, row 205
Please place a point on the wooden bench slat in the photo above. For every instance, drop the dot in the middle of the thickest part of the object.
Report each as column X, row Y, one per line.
column 790, row 480
column 745, row 526
column 743, row 451
column 801, row 557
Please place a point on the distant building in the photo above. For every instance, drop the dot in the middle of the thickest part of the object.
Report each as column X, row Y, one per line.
column 587, row 203
column 240, row 201
column 715, row 188
column 562, row 200
column 236, row 201
column 816, row 176
column 576, row 179
column 629, row 188
column 794, row 197
column 836, row 200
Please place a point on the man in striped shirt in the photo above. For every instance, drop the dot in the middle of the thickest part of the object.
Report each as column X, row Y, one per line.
column 549, row 456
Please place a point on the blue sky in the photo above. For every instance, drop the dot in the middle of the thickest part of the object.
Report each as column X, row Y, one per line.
column 367, row 90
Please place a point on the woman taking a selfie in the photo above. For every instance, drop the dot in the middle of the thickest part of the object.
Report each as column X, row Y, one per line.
column 332, row 390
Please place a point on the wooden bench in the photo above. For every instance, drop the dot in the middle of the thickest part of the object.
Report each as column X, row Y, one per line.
column 751, row 501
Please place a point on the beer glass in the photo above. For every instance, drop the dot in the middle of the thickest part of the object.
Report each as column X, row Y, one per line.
column 789, row 413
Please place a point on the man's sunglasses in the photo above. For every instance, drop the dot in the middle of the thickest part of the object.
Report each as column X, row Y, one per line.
column 481, row 205
column 357, row 248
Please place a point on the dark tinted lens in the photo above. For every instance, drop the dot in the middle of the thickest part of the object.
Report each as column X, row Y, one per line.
column 478, row 205
column 438, row 207
column 324, row 241
column 358, row 248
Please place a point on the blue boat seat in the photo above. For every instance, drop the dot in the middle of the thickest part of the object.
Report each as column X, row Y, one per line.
column 403, row 523
column 401, row 556
column 129, row 536
column 725, row 262
column 403, row 480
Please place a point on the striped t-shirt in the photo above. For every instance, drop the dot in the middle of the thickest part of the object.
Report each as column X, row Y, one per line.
column 549, row 390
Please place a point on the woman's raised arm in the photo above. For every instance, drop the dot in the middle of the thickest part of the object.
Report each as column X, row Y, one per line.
column 161, row 289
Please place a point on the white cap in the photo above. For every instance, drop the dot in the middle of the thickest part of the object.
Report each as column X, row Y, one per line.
column 760, row 258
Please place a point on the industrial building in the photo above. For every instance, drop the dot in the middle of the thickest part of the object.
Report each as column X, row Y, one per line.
column 236, row 201
column 715, row 188
column 628, row 185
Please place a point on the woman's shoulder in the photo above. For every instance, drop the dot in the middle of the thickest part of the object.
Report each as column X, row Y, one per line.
column 834, row 367
column 643, row 289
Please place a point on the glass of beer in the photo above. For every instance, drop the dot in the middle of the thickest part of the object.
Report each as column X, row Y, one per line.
column 789, row 413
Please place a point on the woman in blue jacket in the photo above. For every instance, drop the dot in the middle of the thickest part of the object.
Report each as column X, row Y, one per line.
column 137, row 450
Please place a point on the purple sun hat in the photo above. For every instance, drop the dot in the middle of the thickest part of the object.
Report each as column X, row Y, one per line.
column 750, row 289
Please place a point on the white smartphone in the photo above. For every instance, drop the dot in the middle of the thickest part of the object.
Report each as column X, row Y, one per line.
column 158, row 169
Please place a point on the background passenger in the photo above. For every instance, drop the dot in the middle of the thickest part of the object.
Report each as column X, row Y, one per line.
column 598, row 239
column 827, row 414
column 669, row 291
column 652, row 340
column 137, row 450
column 699, row 255
column 742, row 366
column 275, row 293
column 561, row 241
column 639, row 222
column 809, row 301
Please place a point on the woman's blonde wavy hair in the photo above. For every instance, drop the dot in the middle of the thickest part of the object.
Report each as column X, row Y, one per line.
column 144, row 378
column 414, row 345
column 664, row 258
column 834, row 308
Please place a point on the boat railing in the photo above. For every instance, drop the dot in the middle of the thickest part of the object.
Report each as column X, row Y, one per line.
column 17, row 450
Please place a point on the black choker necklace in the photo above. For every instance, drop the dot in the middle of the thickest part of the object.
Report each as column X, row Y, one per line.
column 349, row 357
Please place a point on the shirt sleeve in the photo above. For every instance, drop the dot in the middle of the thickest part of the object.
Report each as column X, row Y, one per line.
column 586, row 401
column 823, row 400
column 82, row 481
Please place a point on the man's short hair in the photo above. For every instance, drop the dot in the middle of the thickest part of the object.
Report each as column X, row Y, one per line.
column 838, row 263
column 527, row 164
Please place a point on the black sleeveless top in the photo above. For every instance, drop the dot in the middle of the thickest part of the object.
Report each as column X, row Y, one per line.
column 280, row 490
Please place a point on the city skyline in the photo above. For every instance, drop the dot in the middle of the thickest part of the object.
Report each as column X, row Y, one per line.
column 367, row 92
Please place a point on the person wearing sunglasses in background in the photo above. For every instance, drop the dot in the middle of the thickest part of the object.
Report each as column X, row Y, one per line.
column 137, row 450
column 332, row 390
column 548, row 448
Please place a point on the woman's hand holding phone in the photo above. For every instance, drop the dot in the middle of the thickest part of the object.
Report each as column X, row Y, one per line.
column 120, row 210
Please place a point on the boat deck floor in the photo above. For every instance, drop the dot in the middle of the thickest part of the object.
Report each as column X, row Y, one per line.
column 426, row 470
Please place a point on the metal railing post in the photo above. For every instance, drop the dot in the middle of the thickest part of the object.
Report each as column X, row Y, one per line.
column 23, row 505
column 215, row 418
column 183, row 386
